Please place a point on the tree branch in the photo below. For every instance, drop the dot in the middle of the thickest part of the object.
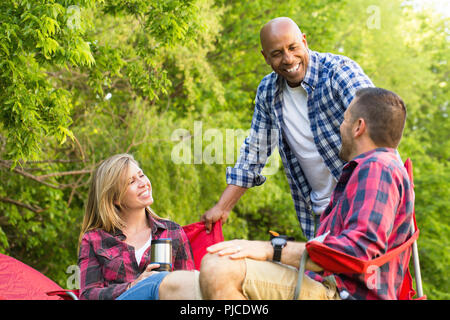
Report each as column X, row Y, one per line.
column 35, row 209
column 29, row 176
column 63, row 173
column 9, row 162
column 41, row 178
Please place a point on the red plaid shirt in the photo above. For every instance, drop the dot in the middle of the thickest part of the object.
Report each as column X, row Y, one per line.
column 370, row 213
column 107, row 264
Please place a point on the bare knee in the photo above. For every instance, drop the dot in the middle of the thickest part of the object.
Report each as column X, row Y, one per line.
column 221, row 277
column 178, row 285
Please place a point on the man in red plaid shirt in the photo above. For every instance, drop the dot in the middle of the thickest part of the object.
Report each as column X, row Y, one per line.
column 369, row 214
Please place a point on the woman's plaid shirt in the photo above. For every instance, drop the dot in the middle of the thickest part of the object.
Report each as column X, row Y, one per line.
column 107, row 264
column 370, row 213
column 330, row 82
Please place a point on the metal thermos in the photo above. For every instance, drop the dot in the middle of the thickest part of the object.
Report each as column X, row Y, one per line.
column 161, row 253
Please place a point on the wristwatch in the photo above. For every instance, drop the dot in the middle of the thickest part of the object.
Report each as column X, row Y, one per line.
column 278, row 244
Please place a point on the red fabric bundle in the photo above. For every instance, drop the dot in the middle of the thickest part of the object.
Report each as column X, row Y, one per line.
column 200, row 240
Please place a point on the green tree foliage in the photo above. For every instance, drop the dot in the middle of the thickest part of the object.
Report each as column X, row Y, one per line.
column 172, row 82
column 35, row 36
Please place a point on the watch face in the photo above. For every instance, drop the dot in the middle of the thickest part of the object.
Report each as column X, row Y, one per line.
column 278, row 241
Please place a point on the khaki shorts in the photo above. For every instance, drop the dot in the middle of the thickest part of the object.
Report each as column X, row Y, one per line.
column 266, row 280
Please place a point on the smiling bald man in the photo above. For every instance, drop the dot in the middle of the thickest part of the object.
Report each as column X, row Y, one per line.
column 281, row 36
column 298, row 108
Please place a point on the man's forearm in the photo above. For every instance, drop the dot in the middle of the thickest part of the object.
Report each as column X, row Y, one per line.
column 230, row 197
column 292, row 253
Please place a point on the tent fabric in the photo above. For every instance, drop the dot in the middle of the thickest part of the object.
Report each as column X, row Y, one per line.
column 19, row 281
column 339, row 262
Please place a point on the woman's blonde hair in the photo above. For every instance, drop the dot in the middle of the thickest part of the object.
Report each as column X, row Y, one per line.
column 107, row 189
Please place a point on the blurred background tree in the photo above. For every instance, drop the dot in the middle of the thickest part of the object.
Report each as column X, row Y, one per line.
column 83, row 80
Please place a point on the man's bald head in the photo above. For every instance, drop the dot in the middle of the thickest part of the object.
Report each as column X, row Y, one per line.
column 276, row 26
column 285, row 49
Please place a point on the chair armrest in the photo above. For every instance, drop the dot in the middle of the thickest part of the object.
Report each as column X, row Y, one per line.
column 338, row 262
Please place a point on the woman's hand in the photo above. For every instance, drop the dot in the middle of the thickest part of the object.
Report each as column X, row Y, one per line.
column 147, row 273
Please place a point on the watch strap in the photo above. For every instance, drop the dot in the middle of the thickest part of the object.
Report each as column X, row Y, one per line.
column 277, row 253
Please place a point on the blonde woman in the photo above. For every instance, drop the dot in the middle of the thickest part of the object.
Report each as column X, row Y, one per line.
column 117, row 230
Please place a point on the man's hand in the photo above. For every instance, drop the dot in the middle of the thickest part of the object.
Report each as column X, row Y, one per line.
column 263, row 250
column 312, row 266
column 222, row 209
column 239, row 249
column 214, row 214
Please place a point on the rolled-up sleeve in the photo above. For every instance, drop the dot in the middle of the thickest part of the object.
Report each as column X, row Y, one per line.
column 256, row 148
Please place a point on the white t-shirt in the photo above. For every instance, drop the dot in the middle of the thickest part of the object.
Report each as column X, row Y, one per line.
column 140, row 252
column 297, row 129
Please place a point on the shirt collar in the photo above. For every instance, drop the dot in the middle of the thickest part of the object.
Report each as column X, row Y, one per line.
column 312, row 71
column 154, row 224
column 360, row 158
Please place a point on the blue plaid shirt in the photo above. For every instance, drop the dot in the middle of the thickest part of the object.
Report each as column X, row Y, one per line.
column 330, row 82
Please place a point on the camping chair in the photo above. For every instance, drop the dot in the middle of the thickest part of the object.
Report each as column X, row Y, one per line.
column 198, row 238
column 339, row 262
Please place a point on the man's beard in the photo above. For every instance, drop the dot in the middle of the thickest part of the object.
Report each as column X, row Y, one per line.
column 345, row 151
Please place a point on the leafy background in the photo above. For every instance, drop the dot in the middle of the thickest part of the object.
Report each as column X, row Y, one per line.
column 83, row 80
